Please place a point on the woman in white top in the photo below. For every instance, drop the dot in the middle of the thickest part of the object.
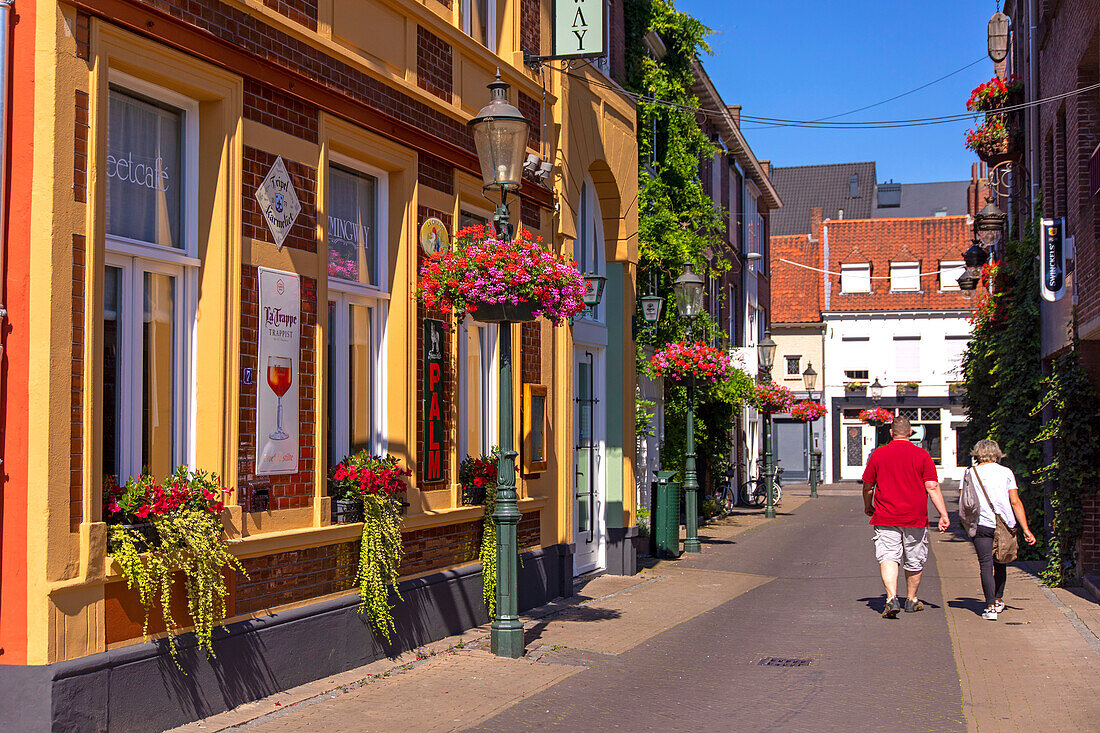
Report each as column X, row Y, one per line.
column 1000, row 484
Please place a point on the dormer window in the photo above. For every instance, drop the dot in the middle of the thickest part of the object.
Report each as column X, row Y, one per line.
column 904, row 276
column 855, row 278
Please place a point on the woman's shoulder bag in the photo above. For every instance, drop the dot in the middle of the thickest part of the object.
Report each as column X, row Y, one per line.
column 969, row 508
column 1005, row 546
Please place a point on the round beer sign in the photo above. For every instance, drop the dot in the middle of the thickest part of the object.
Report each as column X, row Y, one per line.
column 433, row 236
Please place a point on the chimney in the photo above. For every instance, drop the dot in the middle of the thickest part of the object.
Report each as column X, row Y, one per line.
column 815, row 220
column 767, row 166
column 735, row 113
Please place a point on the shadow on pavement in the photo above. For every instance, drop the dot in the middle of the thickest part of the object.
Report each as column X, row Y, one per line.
column 977, row 605
column 577, row 613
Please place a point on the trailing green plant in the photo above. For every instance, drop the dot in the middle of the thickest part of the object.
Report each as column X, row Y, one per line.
column 379, row 482
column 1003, row 371
column 643, row 417
column 1071, row 403
column 478, row 477
column 185, row 515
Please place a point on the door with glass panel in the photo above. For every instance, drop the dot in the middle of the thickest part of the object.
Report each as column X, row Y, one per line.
column 588, row 428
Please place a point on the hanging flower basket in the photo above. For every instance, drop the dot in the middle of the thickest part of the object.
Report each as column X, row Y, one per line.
column 770, row 397
column 808, row 411
column 681, row 360
column 996, row 94
column 495, row 280
column 877, row 416
column 993, row 138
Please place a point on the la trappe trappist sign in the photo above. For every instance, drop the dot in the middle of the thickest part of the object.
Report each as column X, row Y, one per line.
column 579, row 28
column 1052, row 265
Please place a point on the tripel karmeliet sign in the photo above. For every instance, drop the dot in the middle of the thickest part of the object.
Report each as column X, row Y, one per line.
column 579, row 28
column 1052, row 259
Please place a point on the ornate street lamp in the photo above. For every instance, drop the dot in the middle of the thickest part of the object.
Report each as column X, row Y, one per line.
column 876, row 391
column 974, row 258
column 967, row 282
column 809, row 381
column 765, row 351
column 500, row 135
column 989, row 224
column 593, row 289
column 997, row 36
column 689, row 304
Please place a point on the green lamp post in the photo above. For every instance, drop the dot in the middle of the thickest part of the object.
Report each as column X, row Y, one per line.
column 689, row 304
column 809, row 381
column 500, row 134
column 766, row 354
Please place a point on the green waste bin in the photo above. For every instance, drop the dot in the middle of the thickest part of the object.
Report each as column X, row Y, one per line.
column 666, row 518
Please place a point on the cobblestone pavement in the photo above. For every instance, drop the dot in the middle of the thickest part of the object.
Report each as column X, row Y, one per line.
column 680, row 645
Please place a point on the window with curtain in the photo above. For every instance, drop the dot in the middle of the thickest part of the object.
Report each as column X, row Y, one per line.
column 356, row 310
column 477, row 18
column 906, row 358
column 352, row 230
column 149, row 281
column 477, row 388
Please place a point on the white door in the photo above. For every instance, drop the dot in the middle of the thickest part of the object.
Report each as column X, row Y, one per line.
column 589, row 525
column 856, row 443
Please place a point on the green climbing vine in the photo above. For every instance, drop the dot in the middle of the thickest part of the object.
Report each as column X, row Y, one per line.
column 679, row 222
column 1071, row 403
column 1003, row 372
column 488, row 552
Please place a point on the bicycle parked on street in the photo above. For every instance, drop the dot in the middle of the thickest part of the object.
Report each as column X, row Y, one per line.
column 754, row 492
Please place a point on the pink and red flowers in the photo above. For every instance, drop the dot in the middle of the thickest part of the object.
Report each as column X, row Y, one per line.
column 680, row 360
column 877, row 416
column 481, row 269
column 362, row 474
column 475, row 474
column 807, row 411
column 771, row 397
column 143, row 499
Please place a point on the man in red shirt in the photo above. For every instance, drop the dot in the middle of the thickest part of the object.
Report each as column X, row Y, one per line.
column 899, row 480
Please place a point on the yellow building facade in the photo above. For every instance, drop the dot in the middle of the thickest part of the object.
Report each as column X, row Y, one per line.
column 151, row 143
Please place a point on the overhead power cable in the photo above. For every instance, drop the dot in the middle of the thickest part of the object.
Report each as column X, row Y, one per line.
column 872, row 277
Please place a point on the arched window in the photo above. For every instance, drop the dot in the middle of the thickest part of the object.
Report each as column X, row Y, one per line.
column 588, row 248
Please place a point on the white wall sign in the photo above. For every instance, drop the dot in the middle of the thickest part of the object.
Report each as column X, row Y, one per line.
column 278, row 202
column 277, row 388
column 1052, row 260
column 579, row 28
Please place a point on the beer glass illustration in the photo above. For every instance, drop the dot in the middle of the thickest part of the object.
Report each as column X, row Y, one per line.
column 279, row 376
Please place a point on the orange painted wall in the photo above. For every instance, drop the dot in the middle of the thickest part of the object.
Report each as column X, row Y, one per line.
column 13, row 439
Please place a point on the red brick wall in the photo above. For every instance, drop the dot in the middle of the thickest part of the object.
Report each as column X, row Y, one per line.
column 1090, row 537
column 434, row 64
column 76, row 426
column 80, row 151
column 530, row 341
column 268, row 106
column 531, row 108
column 294, row 490
column 449, row 396
column 300, row 11
column 530, row 215
column 436, row 173
column 303, row 235
column 253, row 35
column 530, row 26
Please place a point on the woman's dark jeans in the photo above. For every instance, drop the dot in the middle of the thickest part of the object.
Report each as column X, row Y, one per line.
column 993, row 573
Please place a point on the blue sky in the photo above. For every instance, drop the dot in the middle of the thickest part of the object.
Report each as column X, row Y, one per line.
column 805, row 60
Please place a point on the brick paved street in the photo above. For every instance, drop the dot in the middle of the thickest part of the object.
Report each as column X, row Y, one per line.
column 679, row 645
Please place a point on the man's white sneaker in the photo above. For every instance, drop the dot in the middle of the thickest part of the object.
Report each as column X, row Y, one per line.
column 999, row 606
column 989, row 614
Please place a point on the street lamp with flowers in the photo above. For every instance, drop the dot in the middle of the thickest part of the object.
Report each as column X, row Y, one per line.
column 766, row 356
column 689, row 305
column 809, row 381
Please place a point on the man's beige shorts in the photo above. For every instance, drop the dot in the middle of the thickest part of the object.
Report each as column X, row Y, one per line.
column 896, row 543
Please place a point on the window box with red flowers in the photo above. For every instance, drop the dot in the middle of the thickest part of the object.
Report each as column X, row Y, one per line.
column 877, row 416
column 996, row 94
column 478, row 477
column 771, row 398
column 495, row 280
column 808, row 411
column 994, row 138
column 158, row 529
column 378, row 483
column 682, row 360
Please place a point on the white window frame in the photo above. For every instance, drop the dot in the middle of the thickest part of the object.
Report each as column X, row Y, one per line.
column 490, row 368
column 589, row 210
column 135, row 258
column 950, row 272
column 464, row 8
column 904, row 276
column 853, row 276
column 346, row 293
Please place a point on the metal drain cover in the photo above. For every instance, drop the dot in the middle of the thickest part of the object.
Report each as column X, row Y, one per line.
column 783, row 662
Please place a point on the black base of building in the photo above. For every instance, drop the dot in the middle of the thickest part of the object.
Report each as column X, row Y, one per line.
column 622, row 557
column 139, row 687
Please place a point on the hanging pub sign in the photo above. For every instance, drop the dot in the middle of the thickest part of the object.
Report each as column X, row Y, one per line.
column 1052, row 265
column 434, row 406
column 579, row 29
column 277, row 360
